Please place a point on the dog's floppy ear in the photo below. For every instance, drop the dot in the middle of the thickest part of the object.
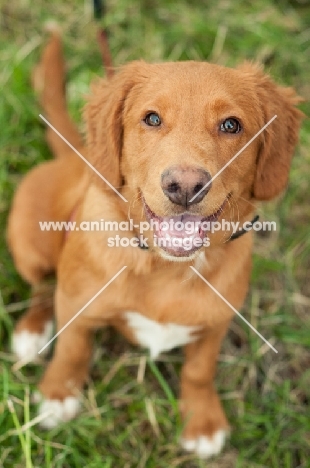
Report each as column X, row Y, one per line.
column 279, row 138
column 104, row 123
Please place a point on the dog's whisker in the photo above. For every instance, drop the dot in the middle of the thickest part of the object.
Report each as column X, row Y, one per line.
column 249, row 202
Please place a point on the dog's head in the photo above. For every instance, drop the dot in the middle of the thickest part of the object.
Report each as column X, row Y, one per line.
column 167, row 133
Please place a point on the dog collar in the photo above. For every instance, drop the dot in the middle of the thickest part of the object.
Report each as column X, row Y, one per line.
column 243, row 231
column 233, row 237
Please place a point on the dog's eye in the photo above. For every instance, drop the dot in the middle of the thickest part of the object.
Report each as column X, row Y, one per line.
column 152, row 119
column 230, row 125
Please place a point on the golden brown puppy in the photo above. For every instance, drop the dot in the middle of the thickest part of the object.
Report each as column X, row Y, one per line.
column 160, row 134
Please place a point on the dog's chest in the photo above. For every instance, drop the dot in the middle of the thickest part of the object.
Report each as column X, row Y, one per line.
column 159, row 337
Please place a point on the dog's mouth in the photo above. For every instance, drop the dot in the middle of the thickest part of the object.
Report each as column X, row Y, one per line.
column 181, row 235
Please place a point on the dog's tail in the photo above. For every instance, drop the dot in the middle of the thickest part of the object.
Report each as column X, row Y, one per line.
column 49, row 82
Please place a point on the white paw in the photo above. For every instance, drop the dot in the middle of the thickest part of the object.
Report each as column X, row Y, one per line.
column 57, row 411
column 26, row 344
column 204, row 446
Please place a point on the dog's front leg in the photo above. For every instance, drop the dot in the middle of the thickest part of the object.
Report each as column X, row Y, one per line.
column 68, row 370
column 205, row 422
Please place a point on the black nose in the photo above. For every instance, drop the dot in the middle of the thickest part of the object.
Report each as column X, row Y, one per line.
column 181, row 184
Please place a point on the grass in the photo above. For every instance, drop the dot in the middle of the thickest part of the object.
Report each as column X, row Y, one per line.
column 129, row 417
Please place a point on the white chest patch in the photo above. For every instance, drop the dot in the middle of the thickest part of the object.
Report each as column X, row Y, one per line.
column 159, row 337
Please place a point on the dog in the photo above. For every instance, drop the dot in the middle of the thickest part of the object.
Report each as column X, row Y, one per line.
column 164, row 137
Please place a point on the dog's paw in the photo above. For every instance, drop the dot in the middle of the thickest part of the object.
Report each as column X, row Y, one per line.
column 26, row 344
column 58, row 411
column 205, row 446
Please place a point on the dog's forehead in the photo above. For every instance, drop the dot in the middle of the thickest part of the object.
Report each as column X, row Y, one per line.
column 190, row 72
column 202, row 82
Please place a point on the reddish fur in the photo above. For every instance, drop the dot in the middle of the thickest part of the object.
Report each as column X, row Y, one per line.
column 123, row 150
